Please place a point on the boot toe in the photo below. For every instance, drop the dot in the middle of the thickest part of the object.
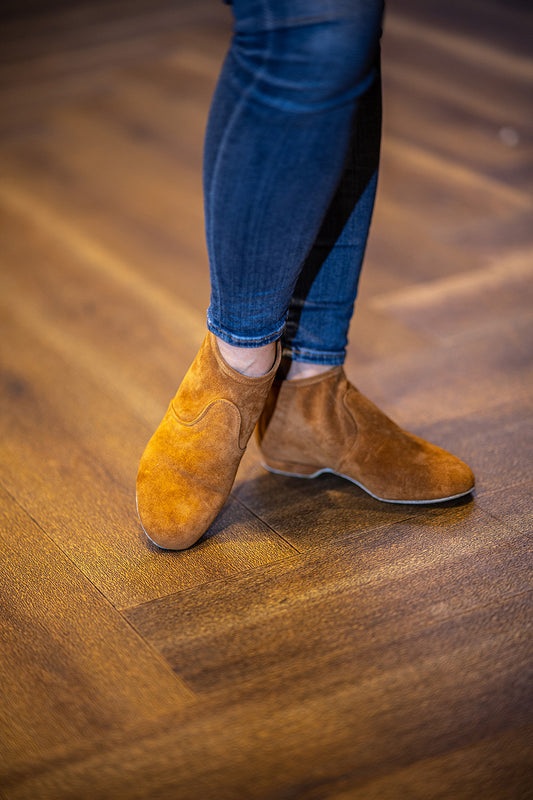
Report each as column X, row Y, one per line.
column 185, row 476
column 171, row 522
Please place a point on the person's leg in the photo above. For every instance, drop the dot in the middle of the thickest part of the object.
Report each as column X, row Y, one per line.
column 276, row 143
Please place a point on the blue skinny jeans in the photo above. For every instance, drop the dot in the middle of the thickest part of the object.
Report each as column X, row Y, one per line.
column 290, row 171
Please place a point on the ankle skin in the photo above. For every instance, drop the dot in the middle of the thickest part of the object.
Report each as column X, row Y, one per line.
column 251, row 361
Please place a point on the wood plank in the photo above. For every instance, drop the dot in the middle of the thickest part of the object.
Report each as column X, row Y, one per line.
column 80, row 32
column 165, row 109
column 512, row 505
column 373, row 600
column 463, row 376
column 261, row 762
column 498, row 767
column 497, row 444
column 505, row 25
column 453, row 196
column 87, row 152
column 490, row 58
column 97, row 310
column 61, row 54
column 376, row 334
column 73, row 672
column 476, row 134
column 404, row 247
column 113, row 229
column 392, row 656
column 453, row 305
column 391, row 705
column 429, row 224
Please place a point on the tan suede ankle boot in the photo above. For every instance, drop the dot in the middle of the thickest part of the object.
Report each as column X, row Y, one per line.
column 189, row 465
column 323, row 424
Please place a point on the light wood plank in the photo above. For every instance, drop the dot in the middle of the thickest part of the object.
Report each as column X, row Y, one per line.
column 451, row 306
column 73, row 672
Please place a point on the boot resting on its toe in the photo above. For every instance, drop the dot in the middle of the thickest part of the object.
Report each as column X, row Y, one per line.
column 189, row 465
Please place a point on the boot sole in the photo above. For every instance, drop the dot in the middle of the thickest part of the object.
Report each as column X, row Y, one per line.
column 325, row 470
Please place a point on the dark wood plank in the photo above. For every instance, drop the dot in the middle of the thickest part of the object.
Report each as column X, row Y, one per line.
column 512, row 505
column 393, row 656
column 448, row 114
column 206, row 764
column 311, row 513
column 496, row 444
column 497, row 24
column 55, row 53
column 370, row 694
column 461, row 125
column 458, row 377
column 371, row 598
column 498, row 767
column 73, row 672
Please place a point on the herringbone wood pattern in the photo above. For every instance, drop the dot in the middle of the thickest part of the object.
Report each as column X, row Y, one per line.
column 316, row 643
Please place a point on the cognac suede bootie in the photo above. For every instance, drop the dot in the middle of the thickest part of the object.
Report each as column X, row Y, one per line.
column 189, row 465
column 323, row 424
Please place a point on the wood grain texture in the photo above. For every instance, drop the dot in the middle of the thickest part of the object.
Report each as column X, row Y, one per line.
column 514, row 505
column 466, row 303
column 458, row 378
column 404, row 588
column 298, row 739
column 499, row 443
column 73, row 671
column 316, row 644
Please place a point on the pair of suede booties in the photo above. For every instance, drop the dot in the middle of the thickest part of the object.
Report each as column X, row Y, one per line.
column 304, row 428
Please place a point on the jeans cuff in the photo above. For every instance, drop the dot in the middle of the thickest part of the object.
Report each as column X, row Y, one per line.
column 244, row 341
column 315, row 356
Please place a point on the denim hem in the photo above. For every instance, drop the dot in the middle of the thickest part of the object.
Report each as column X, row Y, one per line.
column 244, row 341
column 315, row 356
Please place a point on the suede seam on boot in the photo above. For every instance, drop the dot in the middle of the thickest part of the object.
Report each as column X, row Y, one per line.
column 202, row 414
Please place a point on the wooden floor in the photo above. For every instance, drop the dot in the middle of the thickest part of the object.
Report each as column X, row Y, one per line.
column 316, row 643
